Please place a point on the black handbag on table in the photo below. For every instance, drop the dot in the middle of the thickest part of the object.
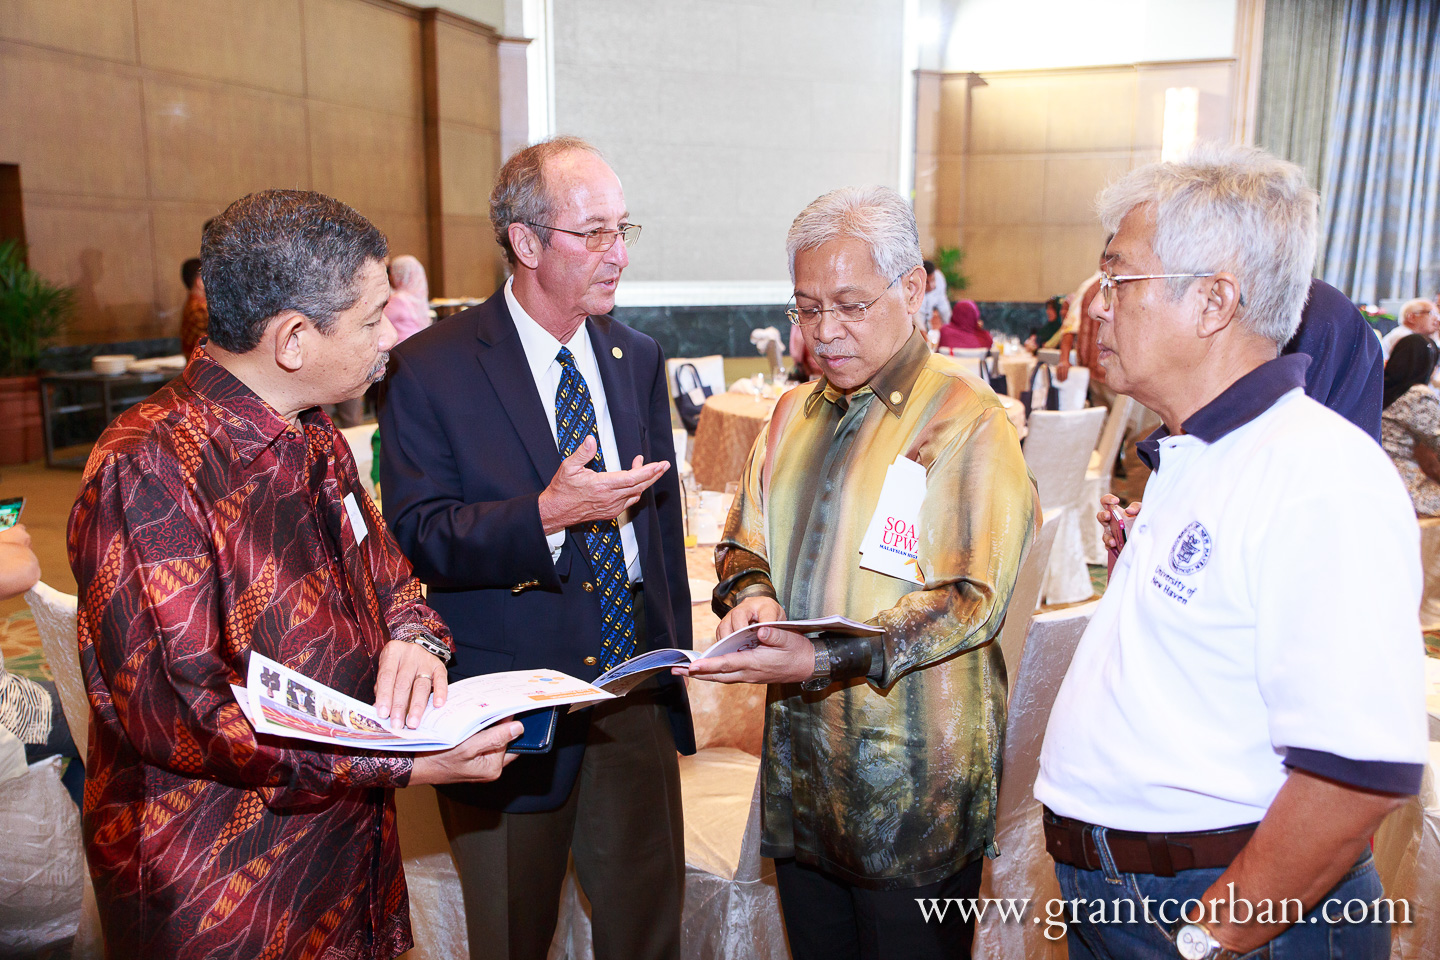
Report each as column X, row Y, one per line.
column 1052, row 395
column 689, row 400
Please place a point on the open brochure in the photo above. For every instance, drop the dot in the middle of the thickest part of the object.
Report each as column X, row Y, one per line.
column 622, row 678
column 282, row 702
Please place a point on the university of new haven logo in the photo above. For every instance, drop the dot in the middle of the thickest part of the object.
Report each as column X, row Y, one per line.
column 1191, row 550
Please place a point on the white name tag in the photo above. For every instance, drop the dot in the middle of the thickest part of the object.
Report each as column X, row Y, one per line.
column 891, row 543
column 357, row 519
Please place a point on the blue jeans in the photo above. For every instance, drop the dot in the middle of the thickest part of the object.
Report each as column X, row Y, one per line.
column 1108, row 918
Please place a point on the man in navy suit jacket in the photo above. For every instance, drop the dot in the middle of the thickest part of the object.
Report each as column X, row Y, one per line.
column 481, row 500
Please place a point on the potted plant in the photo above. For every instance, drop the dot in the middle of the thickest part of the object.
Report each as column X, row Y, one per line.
column 32, row 312
column 948, row 260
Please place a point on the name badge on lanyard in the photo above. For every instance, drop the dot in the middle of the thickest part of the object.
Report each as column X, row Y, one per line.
column 891, row 544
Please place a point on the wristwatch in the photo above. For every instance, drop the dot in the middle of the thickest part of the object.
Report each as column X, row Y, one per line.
column 820, row 679
column 1194, row 942
column 422, row 639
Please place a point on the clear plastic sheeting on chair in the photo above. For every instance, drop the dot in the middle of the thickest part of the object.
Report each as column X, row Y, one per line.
column 1407, row 857
column 42, row 877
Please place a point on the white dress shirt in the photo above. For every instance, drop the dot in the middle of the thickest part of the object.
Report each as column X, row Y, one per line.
column 541, row 352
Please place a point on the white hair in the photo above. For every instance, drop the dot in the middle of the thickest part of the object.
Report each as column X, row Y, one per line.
column 1230, row 208
column 1418, row 305
column 876, row 215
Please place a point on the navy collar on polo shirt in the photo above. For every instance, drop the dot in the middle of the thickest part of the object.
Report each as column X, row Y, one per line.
column 1237, row 404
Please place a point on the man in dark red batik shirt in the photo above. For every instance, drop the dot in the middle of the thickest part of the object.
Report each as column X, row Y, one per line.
column 224, row 515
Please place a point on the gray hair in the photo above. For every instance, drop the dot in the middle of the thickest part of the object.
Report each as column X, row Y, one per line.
column 1418, row 305
column 876, row 215
column 521, row 194
column 280, row 250
column 1231, row 208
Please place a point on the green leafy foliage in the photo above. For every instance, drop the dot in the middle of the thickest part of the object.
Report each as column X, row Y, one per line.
column 33, row 311
column 948, row 260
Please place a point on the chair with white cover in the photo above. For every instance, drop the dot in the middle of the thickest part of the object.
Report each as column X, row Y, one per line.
column 1430, row 560
column 711, row 370
column 1026, row 595
column 970, row 357
column 1101, row 473
column 55, row 616
column 1057, row 450
column 1023, row 869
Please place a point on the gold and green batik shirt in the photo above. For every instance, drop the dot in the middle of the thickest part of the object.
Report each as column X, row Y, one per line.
column 888, row 782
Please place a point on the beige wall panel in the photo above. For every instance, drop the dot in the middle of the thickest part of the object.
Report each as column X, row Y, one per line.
column 1071, row 184
column 1091, row 112
column 467, row 77
column 469, row 161
column 1069, row 254
column 370, row 160
column 177, row 239
column 97, row 28
column 405, row 233
column 362, row 55
column 1213, row 80
column 954, row 113
column 949, row 192
column 1009, row 116
column 1004, row 190
column 472, row 260
column 72, row 128
column 1003, row 263
column 256, row 43
column 104, row 251
column 212, row 143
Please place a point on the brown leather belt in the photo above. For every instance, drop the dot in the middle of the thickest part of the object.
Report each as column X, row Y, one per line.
column 1072, row 842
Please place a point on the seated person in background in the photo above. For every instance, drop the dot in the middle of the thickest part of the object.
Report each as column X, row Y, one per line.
column 1346, row 369
column 935, row 308
column 1054, row 316
column 1410, row 422
column 193, row 318
column 1220, row 628
column 964, row 330
column 1417, row 316
column 409, row 308
column 1078, row 333
column 222, row 516
column 30, row 709
column 807, row 365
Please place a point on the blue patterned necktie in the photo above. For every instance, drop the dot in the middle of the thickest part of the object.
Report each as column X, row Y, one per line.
column 574, row 421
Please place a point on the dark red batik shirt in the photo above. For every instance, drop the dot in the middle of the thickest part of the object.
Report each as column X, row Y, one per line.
column 206, row 527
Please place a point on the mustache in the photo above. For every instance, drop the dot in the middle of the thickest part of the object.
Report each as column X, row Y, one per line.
column 831, row 350
column 377, row 373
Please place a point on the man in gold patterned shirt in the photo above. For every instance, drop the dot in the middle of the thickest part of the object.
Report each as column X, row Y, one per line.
column 881, row 772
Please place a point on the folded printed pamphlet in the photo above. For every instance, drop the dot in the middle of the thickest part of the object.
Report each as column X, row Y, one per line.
column 622, row 678
column 285, row 703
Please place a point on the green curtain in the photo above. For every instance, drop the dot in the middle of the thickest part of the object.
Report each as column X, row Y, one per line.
column 1297, row 80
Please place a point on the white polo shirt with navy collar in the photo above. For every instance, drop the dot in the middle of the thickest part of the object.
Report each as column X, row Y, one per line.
column 1262, row 615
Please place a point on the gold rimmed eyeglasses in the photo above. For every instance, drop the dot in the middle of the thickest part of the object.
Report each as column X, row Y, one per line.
column 848, row 312
column 1109, row 283
column 600, row 238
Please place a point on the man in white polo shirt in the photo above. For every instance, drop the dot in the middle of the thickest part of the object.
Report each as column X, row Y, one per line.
column 1248, row 702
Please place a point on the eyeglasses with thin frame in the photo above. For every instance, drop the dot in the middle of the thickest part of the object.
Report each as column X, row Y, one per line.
column 600, row 238
column 1109, row 283
column 847, row 312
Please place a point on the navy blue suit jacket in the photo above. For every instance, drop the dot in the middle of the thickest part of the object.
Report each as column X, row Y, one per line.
column 465, row 450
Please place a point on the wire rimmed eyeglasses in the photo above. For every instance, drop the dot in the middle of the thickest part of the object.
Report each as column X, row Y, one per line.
column 847, row 312
column 601, row 238
column 1109, row 283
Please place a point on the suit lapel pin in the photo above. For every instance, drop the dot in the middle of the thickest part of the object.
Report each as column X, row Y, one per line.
column 616, row 352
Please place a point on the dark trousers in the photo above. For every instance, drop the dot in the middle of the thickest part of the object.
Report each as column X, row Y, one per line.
column 623, row 824
column 829, row 919
column 60, row 744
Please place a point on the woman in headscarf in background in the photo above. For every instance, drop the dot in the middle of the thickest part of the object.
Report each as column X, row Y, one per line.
column 964, row 330
column 409, row 306
column 1410, row 423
